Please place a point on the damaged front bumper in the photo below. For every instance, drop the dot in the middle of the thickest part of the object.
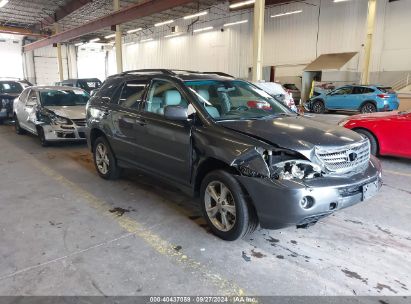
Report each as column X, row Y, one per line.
column 64, row 133
column 283, row 203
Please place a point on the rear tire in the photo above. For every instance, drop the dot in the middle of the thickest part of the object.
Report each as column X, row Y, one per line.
column 318, row 107
column 368, row 107
column 225, row 207
column 17, row 127
column 104, row 160
column 371, row 138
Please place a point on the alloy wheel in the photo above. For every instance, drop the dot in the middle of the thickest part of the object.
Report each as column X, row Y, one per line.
column 102, row 160
column 220, row 206
column 318, row 107
column 369, row 108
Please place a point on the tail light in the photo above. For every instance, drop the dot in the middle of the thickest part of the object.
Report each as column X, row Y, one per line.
column 258, row 105
column 383, row 96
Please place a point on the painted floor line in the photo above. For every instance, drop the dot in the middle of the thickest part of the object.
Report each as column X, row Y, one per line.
column 160, row 245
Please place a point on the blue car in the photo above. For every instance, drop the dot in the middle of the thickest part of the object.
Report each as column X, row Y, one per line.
column 366, row 99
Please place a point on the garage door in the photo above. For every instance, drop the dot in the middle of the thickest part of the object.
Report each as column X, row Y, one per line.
column 47, row 70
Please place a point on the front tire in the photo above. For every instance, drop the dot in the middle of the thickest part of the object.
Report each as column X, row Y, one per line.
column 17, row 127
column 318, row 107
column 42, row 137
column 371, row 138
column 225, row 208
column 104, row 160
column 368, row 107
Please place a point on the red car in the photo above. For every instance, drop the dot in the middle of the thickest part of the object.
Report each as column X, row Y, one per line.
column 389, row 132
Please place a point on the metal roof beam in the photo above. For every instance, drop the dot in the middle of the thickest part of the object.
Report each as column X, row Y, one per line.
column 19, row 31
column 129, row 13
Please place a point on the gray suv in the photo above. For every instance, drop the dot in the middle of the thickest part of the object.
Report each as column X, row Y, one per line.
column 249, row 158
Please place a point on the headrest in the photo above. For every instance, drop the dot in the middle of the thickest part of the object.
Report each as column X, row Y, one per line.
column 172, row 98
column 204, row 93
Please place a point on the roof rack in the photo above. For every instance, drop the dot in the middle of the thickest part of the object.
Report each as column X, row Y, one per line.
column 172, row 72
column 148, row 71
column 220, row 74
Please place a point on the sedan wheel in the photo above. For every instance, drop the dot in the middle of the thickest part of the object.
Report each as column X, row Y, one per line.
column 220, row 206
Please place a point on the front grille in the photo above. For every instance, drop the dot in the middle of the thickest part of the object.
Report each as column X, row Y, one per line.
column 79, row 122
column 345, row 159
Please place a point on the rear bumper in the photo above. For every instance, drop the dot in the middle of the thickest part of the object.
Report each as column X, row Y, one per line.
column 278, row 202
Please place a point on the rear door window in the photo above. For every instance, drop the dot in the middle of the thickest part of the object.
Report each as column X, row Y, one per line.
column 132, row 93
column 358, row 90
column 108, row 88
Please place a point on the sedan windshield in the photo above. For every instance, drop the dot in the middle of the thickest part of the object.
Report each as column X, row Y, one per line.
column 60, row 98
column 235, row 100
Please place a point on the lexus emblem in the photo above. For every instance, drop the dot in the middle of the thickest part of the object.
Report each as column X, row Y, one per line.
column 352, row 156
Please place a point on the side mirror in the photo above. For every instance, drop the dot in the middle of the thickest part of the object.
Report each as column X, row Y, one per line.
column 175, row 113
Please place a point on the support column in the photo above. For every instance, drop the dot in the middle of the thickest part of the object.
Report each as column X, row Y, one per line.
column 372, row 4
column 118, row 45
column 259, row 9
column 59, row 55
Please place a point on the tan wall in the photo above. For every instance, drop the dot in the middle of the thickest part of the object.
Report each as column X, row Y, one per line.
column 405, row 103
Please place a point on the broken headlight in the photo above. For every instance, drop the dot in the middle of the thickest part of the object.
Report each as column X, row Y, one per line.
column 58, row 120
column 295, row 169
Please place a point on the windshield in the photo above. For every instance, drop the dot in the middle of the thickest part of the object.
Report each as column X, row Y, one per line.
column 61, row 98
column 235, row 99
column 10, row 87
column 89, row 84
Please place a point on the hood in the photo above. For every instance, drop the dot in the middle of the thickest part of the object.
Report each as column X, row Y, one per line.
column 295, row 133
column 71, row 112
column 371, row 116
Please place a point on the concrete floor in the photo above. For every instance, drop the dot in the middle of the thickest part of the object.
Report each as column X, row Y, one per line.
column 60, row 234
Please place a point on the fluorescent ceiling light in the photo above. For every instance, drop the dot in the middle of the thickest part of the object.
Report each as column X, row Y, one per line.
column 135, row 30
column 243, row 3
column 145, row 40
column 203, row 29
column 336, row 1
column 172, row 35
column 237, row 22
column 287, row 13
column 79, row 44
column 195, row 15
column 94, row 40
column 164, row 23
column 3, row 2
column 110, row 36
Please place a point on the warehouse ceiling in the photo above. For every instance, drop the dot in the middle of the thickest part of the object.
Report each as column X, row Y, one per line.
column 31, row 14
column 39, row 16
